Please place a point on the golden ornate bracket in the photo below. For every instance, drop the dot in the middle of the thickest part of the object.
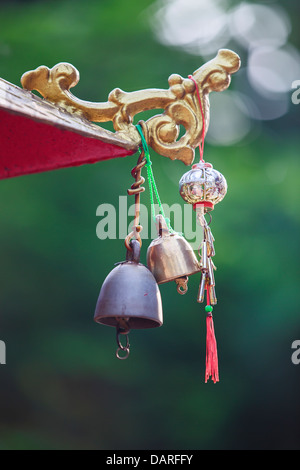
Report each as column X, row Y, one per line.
column 180, row 104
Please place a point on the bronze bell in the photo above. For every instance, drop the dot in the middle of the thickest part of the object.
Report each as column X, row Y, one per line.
column 171, row 258
column 129, row 297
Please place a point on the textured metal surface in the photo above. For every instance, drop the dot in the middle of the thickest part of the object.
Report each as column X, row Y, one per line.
column 129, row 297
column 170, row 256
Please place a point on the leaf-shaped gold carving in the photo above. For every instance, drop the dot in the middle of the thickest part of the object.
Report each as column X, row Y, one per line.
column 179, row 102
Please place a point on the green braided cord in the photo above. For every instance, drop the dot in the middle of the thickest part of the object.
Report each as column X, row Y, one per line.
column 151, row 182
column 151, row 191
column 149, row 169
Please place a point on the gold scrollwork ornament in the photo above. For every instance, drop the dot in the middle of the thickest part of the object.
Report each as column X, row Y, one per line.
column 180, row 104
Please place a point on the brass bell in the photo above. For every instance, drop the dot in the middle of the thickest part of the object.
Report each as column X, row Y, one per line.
column 171, row 258
column 129, row 298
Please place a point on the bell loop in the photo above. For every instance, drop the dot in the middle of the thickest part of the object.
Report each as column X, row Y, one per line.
column 161, row 226
column 126, row 348
column 182, row 285
column 133, row 254
column 122, row 358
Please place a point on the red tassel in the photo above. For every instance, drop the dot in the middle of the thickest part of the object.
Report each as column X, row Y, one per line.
column 212, row 368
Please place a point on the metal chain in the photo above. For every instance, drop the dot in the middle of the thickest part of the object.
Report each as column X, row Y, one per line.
column 136, row 190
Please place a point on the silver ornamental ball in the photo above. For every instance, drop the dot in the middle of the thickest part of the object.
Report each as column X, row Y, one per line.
column 203, row 184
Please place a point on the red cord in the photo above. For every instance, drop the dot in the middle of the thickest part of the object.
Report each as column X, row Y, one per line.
column 211, row 366
column 201, row 145
column 211, row 363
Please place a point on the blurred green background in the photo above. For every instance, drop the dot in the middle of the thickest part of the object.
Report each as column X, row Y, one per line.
column 62, row 387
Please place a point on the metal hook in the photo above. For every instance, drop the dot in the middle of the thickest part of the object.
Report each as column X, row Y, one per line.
column 122, row 358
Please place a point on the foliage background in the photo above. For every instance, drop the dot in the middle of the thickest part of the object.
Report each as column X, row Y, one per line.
column 62, row 387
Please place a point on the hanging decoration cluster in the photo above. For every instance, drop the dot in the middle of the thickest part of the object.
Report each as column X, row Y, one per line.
column 130, row 297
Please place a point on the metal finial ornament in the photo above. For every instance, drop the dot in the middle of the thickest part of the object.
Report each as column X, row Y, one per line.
column 203, row 185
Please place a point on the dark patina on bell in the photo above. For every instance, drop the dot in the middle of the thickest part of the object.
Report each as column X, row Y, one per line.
column 130, row 297
column 170, row 257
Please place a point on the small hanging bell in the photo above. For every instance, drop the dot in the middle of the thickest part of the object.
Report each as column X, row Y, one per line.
column 129, row 298
column 170, row 257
